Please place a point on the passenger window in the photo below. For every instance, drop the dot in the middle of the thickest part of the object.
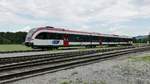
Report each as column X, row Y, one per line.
column 46, row 35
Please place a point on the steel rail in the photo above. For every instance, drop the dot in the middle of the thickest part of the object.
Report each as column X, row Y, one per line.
column 58, row 64
column 33, row 57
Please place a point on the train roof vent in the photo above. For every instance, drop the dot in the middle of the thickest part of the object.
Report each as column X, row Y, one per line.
column 49, row 27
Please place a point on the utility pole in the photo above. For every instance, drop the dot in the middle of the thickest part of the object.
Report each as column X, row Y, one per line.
column 149, row 38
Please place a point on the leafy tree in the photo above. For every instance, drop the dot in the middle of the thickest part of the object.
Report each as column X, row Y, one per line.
column 12, row 38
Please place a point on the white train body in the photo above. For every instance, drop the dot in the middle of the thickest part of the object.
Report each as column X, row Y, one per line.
column 45, row 37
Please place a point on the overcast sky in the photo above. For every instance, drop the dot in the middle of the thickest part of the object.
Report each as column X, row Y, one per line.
column 123, row 17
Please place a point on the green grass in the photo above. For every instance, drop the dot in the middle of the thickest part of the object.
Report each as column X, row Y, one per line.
column 144, row 58
column 13, row 47
column 17, row 47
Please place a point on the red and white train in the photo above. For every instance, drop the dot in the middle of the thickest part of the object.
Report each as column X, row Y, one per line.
column 50, row 37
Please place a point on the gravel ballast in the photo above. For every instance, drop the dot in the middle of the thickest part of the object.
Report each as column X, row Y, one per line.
column 121, row 70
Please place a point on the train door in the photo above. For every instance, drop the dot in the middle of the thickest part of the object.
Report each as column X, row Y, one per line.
column 100, row 40
column 66, row 41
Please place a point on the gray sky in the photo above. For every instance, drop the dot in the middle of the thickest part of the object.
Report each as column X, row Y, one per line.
column 123, row 17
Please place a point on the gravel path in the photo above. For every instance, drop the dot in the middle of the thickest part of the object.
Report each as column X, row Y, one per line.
column 116, row 71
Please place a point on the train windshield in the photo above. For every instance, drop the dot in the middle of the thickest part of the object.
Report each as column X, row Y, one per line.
column 29, row 35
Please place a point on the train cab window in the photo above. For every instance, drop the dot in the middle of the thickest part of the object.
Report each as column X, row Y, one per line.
column 41, row 36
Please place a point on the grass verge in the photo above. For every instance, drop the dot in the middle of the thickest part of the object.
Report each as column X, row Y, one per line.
column 13, row 47
column 143, row 58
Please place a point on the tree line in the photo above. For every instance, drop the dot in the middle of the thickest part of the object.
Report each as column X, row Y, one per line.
column 12, row 37
column 142, row 40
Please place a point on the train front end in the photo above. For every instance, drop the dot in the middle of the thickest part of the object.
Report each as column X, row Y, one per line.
column 44, row 38
column 28, row 41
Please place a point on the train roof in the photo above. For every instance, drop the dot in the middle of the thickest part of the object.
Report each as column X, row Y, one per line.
column 61, row 30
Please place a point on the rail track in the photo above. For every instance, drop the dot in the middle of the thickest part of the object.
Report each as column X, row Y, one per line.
column 27, row 68
column 15, row 59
